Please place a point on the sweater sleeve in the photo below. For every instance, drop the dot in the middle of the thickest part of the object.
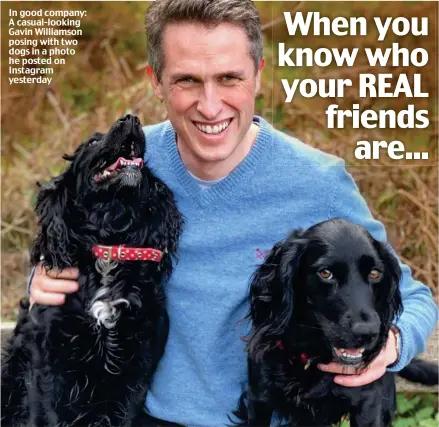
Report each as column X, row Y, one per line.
column 29, row 280
column 420, row 313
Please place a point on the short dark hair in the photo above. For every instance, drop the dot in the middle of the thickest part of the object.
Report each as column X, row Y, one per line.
column 208, row 12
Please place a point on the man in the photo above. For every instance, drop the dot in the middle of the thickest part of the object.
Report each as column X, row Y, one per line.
column 241, row 186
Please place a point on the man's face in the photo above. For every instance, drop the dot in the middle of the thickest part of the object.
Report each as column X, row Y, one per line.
column 209, row 84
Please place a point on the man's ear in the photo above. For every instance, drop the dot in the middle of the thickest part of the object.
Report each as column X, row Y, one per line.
column 259, row 75
column 155, row 82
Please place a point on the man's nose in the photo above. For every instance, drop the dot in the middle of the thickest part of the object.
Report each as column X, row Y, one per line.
column 210, row 102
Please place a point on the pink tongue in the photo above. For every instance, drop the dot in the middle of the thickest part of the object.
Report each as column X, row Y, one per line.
column 116, row 164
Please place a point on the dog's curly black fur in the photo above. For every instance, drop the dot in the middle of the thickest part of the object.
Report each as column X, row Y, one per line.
column 89, row 362
column 321, row 291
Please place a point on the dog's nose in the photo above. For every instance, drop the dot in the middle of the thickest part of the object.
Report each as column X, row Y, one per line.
column 126, row 118
column 363, row 323
column 367, row 331
column 134, row 119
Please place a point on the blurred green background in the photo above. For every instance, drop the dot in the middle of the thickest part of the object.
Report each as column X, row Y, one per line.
column 106, row 78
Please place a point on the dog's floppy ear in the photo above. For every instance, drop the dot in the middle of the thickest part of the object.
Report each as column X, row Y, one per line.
column 271, row 294
column 388, row 295
column 53, row 240
column 96, row 137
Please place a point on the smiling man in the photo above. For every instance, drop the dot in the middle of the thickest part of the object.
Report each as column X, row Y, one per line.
column 241, row 186
column 209, row 83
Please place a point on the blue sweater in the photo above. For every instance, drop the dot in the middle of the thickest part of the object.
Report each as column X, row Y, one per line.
column 281, row 185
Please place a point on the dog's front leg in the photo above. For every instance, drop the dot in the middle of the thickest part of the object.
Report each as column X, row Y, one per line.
column 373, row 416
column 259, row 411
column 377, row 405
column 15, row 372
column 13, row 392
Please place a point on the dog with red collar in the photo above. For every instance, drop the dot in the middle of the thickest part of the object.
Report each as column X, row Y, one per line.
column 90, row 361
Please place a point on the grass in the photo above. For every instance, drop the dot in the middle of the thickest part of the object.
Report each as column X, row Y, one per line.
column 413, row 410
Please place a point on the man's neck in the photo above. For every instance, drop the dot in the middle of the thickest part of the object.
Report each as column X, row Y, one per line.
column 210, row 171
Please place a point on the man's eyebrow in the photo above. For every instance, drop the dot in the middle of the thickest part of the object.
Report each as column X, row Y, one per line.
column 180, row 76
column 237, row 74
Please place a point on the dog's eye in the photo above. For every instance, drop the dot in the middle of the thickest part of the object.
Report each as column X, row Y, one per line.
column 93, row 142
column 325, row 274
column 374, row 274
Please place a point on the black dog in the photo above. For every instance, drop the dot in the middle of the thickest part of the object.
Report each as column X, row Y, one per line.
column 89, row 362
column 328, row 293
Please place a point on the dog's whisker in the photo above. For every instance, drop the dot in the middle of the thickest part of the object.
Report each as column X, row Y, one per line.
column 308, row 326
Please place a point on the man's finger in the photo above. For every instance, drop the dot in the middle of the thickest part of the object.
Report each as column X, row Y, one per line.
column 364, row 378
column 68, row 273
column 337, row 368
column 59, row 286
column 45, row 298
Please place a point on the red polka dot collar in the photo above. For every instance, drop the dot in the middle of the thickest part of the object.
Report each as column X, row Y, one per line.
column 123, row 253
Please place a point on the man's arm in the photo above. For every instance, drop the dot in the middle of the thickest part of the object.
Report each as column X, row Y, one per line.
column 420, row 314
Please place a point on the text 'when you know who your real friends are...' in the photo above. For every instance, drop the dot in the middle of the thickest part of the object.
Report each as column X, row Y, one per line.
column 368, row 85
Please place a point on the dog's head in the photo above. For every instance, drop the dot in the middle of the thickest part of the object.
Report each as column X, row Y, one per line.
column 97, row 198
column 111, row 163
column 333, row 287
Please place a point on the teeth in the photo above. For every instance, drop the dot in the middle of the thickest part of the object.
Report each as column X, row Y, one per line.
column 106, row 173
column 215, row 129
column 351, row 356
column 357, row 355
column 127, row 163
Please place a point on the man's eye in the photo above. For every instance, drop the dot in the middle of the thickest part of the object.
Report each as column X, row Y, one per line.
column 229, row 78
column 186, row 80
column 325, row 274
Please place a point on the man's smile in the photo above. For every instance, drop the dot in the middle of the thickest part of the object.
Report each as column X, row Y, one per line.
column 213, row 128
column 215, row 131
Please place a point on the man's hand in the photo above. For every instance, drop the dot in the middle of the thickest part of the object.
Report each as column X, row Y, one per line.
column 50, row 288
column 352, row 378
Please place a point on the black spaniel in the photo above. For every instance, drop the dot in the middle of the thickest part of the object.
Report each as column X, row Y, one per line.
column 329, row 293
column 89, row 362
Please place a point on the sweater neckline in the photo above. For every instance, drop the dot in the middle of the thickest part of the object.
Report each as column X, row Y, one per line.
column 225, row 187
